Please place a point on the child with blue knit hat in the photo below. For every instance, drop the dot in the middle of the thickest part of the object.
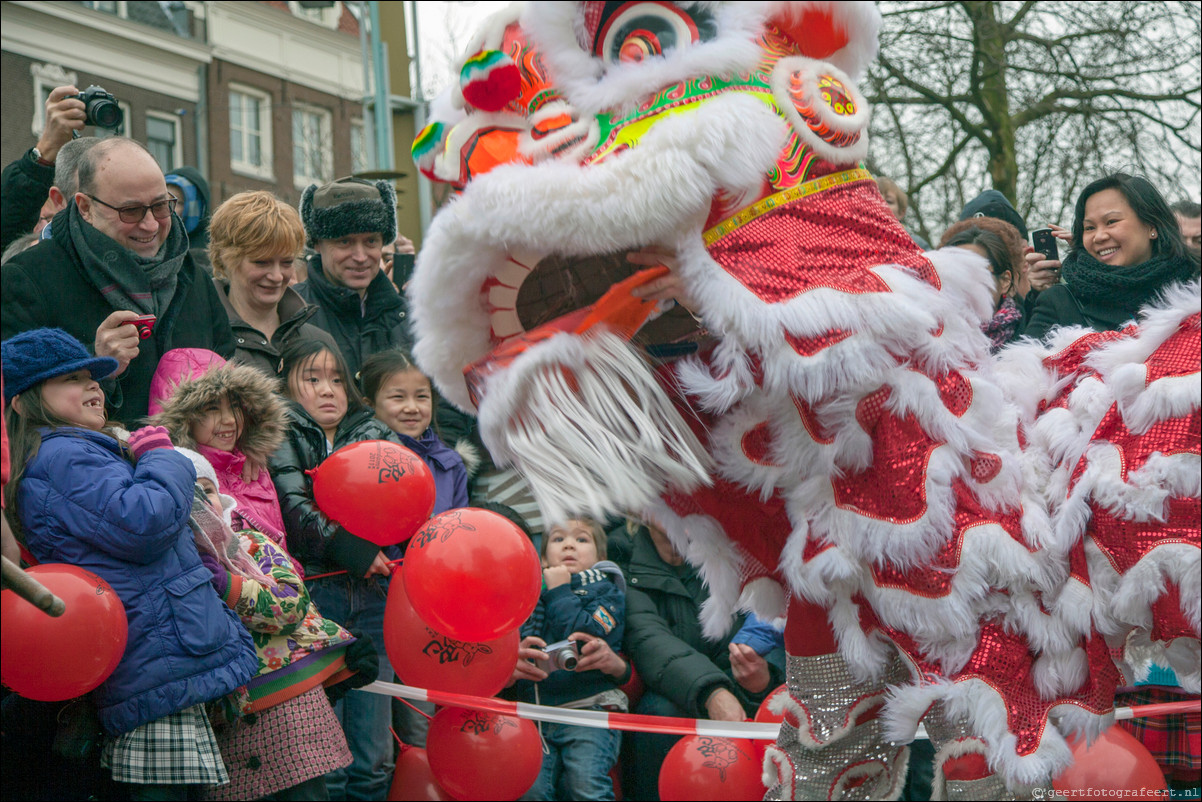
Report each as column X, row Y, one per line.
column 121, row 511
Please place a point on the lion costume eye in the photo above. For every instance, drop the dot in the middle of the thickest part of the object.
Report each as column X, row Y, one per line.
column 637, row 31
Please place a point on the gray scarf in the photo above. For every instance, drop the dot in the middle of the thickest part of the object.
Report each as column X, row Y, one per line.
column 126, row 280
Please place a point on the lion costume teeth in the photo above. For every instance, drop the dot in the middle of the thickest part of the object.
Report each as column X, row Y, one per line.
column 954, row 537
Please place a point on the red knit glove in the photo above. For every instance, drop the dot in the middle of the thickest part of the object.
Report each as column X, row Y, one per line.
column 148, row 438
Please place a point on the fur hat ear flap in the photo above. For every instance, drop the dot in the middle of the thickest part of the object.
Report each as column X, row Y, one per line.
column 306, row 213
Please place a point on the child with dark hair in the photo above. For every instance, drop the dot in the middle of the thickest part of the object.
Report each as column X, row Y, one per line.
column 404, row 399
column 584, row 602
column 326, row 413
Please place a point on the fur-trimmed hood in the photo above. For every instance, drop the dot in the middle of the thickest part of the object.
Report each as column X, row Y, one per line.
column 184, row 386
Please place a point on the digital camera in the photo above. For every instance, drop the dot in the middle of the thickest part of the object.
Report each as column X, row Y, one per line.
column 101, row 109
column 564, row 655
column 145, row 326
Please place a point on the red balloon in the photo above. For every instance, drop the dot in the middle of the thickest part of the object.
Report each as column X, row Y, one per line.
column 51, row 659
column 472, row 574
column 706, row 767
column 1115, row 762
column 479, row 755
column 376, row 489
column 428, row 659
column 413, row 779
column 765, row 715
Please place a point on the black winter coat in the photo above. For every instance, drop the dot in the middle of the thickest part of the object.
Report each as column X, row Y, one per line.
column 320, row 544
column 252, row 346
column 359, row 332
column 24, row 187
column 47, row 286
column 663, row 634
column 1057, row 306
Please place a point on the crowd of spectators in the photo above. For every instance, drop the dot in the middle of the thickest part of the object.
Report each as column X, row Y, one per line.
column 240, row 344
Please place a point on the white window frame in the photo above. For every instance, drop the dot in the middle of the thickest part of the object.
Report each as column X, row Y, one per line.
column 359, row 134
column 45, row 78
column 325, row 122
column 266, row 170
column 326, row 17
column 177, row 146
column 122, row 9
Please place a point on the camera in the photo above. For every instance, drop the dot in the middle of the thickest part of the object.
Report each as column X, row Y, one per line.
column 145, row 326
column 101, row 109
column 564, row 655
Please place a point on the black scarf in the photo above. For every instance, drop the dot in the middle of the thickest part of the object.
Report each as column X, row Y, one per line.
column 1125, row 289
column 126, row 280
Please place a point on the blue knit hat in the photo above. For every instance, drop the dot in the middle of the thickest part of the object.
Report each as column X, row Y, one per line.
column 39, row 354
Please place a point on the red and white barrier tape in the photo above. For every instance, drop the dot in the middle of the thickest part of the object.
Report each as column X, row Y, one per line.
column 633, row 722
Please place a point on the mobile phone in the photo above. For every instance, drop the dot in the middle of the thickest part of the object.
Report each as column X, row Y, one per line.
column 1043, row 241
column 145, row 326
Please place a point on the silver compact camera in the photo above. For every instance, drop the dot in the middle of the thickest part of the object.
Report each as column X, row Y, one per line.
column 564, row 655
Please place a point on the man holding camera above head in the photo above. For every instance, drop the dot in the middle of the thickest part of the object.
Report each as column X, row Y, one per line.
column 25, row 184
column 117, row 276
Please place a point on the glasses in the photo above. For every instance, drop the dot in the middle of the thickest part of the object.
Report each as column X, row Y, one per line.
column 135, row 214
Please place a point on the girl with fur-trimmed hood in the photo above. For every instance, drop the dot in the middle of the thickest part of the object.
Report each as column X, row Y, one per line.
column 230, row 413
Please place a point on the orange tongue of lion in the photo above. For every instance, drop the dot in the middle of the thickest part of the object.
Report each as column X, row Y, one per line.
column 618, row 309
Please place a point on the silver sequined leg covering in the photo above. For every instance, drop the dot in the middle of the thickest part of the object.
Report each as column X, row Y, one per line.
column 951, row 739
column 837, row 749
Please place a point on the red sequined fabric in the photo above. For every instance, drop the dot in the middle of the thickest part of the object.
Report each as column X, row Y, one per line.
column 830, row 239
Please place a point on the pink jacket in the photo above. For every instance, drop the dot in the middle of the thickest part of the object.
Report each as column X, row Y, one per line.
column 186, row 381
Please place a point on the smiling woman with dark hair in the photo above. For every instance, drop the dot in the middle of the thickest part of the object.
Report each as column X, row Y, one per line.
column 1126, row 249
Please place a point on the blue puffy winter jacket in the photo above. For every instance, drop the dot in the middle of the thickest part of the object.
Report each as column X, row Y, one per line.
column 82, row 502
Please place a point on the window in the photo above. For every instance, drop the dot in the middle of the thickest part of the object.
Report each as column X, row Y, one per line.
column 106, row 6
column 312, row 149
column 327, row 14
column 250, row 132
column 45, row 78
column 163, row 140
column 359, row 162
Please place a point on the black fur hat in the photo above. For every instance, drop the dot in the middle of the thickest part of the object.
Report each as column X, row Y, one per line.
column 348, row 206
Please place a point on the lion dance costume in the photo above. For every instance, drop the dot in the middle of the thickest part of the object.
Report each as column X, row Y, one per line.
column 989, row 547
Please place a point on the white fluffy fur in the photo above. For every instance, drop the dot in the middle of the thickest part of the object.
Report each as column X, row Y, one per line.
column 593, row 86
column 587, row 425
column 530, row 211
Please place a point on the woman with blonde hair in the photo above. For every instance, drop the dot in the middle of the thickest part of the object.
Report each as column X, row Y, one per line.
column 254, row 237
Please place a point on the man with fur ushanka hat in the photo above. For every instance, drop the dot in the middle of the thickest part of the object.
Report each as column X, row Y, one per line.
column 347, row 223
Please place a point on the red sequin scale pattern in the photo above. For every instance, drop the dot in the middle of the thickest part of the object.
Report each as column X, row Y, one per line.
column 830, row 239
column 1003, row 662
column 1122, row 538
column 934, row 579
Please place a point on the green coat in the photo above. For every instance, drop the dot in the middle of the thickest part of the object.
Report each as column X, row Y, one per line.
column 663, row 634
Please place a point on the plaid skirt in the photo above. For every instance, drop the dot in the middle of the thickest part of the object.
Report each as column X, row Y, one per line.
column 280, row 747
column 1175, row 741
column 178, row 749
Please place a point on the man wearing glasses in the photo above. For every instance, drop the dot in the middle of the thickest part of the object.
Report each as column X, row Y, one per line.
column 119, row 254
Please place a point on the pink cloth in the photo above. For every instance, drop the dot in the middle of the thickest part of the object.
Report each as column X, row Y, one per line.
column 280, row 747
column 258, row 504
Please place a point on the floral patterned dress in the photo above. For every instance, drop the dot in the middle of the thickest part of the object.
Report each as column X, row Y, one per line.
column 279, row 730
